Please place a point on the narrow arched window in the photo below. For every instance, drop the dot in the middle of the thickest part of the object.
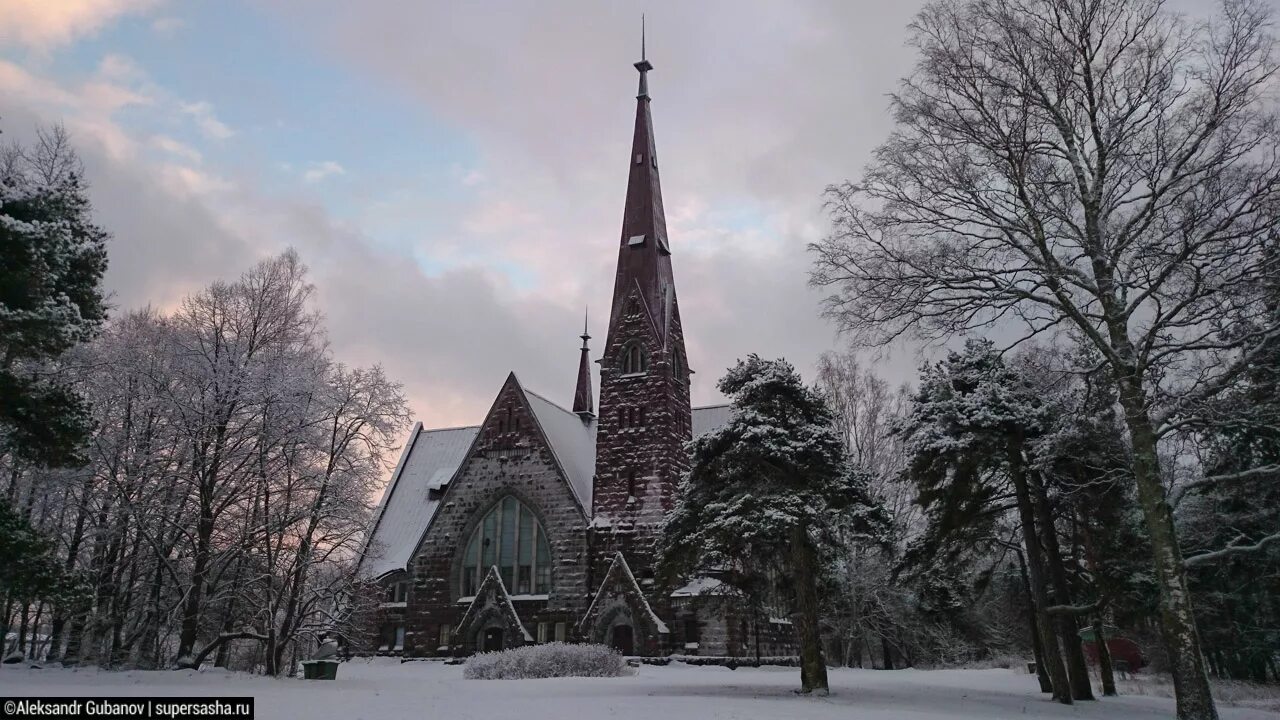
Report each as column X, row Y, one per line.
column 634, row 359
column 510, row 537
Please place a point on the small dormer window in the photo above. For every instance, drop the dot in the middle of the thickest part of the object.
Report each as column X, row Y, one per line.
column 635, row 240
column 634, row 360
column 639, row 158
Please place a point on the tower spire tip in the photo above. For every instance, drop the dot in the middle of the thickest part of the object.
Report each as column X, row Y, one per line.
column 644, row 66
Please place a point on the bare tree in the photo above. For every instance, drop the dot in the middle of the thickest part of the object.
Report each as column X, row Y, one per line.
column 1100, row 167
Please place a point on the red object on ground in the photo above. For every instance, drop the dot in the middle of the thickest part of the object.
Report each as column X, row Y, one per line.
column 1122, row 650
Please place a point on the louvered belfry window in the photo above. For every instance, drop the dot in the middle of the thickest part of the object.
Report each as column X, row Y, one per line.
column 634, row 359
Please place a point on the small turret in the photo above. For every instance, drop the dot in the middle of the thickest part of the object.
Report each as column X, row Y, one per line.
column 582, row 403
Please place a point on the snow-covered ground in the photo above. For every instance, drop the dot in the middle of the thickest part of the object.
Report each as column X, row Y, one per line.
column 386, row 689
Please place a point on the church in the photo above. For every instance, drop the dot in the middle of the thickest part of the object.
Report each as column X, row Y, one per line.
column 540, row 523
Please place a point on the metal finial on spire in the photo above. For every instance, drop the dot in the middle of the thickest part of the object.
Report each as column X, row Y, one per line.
column 644, row 66
column 585, row 335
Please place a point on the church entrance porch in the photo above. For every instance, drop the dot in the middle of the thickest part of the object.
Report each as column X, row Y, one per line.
column 492, row 640
column 623, row 640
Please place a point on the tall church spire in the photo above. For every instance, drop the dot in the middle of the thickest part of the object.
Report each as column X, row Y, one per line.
column 644, row 264
column 645, row 417
column 582, row 403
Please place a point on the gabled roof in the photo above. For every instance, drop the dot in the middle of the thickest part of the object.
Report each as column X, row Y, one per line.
column 573, row 441
column 429, row 459
column 432, row 457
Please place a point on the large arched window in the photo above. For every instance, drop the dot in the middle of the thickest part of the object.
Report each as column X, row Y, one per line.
column 634, row 360
column 510, row 537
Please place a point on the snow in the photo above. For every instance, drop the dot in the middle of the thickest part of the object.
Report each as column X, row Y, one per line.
column 385, row 688
column 702, row 585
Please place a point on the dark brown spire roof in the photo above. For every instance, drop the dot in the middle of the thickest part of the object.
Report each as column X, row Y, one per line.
column 644, row 256
column 582, row 402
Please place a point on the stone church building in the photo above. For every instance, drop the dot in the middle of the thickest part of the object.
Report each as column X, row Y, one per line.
column 540, row 523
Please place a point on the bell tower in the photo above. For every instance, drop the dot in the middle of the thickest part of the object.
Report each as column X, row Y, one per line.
column 644, row 407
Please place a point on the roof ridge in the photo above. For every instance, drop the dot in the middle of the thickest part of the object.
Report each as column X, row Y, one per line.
column 544, row 399
column 557, row 406
column 453, row 427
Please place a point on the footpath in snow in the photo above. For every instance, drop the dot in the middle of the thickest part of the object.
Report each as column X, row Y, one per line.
column 388, row 690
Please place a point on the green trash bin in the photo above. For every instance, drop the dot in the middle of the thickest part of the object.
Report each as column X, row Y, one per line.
column 320, row 669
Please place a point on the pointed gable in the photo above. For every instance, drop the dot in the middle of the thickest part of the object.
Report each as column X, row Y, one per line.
column 620, row 589
column 492, row 601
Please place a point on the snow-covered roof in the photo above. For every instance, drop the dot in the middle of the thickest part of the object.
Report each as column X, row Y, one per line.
column 428, row 461
column 702, row 585
column 706, row 419
column 572, row 440
column 431, row 457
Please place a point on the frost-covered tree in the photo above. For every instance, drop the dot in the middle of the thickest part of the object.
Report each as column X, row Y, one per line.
column 52, row 258
column 869, row 610
column 229, row 478
column 1106, row 167
column 765, row 494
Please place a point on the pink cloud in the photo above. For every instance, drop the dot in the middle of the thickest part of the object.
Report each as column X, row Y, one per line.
column 46, row 24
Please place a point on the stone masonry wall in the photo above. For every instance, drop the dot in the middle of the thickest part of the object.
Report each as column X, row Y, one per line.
column 644, row 422
column 509, row 459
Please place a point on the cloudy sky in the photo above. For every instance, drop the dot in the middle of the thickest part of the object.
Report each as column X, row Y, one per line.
column 454, row 173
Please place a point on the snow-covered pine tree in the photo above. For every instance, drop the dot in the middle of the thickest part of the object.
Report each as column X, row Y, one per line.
column 52, row 258
column 969, row 433
column 765, row 493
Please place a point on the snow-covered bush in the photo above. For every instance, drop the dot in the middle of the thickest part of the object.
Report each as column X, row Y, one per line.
column 555, row 659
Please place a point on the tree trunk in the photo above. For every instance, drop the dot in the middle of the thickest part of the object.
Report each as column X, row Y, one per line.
column 804, row 568
column 1077, row 668
column 75, row 637
column 887, row 651
column 195, row 594
column 1061, row 687
column 1181, row 638
column 1037, row 649
column 1104, row 659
